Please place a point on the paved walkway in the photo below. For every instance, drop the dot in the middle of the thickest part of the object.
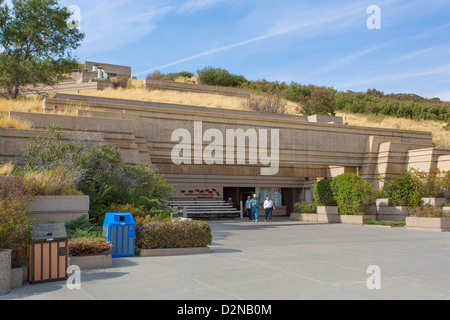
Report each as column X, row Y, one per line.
column 282, row 260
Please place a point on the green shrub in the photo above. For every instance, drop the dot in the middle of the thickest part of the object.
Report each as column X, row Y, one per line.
column 15, row 222
column 385, row 223
column 83, row 228
column 157, row 233
column 99, row 173
column 89, row 246
column 404, row 191
column 303, row 207
column 323, row 194
column 219, row 77
column 353, row 195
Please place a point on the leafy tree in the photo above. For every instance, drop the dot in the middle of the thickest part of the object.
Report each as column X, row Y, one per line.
column 35, row 45
column 319, row 101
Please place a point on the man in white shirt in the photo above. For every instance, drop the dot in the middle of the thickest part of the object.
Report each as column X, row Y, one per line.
column 269, row 207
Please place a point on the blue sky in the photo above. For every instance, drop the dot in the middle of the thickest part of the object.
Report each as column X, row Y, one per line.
column 309, row 42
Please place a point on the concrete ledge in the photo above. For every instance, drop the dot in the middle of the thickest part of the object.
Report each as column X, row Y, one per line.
column 392, row 213
column 328, row 215
column 355, row 220
column 60, row 209
column 91, row 262
column 428, row 224
column 307, row 217
column 173, row 252
column 435, row 202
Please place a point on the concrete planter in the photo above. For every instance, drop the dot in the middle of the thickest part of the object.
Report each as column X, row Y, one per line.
column 91, row 262
column 355, row 220
column 58, row 209
column 393, row 213
column 5, row 271
column 384, row 202
column 428, row 224
column 173, row 252
column 435, row 202
column 306, row 217
column 446, row 210
column 17, row 277
column 328, row 215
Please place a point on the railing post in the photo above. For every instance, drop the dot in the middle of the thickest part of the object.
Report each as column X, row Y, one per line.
column 185, row 212
column 242, row 209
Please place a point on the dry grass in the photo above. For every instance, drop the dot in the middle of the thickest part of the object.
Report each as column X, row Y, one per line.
column 6, row 169
column 24, row 105
column 441, row 137
column 175, row 97
column 12, row 123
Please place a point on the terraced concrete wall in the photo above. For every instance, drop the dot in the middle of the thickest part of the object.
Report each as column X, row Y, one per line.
column 199, row 88
column 307, row 150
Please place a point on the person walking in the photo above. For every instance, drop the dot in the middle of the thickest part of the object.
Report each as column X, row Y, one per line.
column 269, row 207
column 255, row 208
column 248, row 207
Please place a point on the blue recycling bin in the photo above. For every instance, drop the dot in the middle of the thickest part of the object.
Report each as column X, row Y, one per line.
column 119, row 230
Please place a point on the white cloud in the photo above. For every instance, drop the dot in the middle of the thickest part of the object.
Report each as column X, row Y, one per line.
column 193, row 5
column 297, row 21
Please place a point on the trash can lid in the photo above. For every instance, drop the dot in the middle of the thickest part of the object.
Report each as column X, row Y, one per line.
column 49, row 232
column 118, row 219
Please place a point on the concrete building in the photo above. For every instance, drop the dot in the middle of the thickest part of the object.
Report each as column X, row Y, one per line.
column 213, row 154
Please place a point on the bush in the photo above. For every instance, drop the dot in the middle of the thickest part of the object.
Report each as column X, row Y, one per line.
column 142, row 212
column 269, row 103
column 303, row 207
column 428, row 211
column 15, row 222
column 83, row 228
column 404, row 191
column 353, row 195
column 99, row 173
column 157, row 233
column 121, row 81
column 434, row 184
column 219, row 77
column 89, row 246
column 323, row 194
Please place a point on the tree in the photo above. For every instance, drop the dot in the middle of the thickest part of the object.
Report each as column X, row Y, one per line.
column 320, row 101
column 220, row 77
column 35, row 45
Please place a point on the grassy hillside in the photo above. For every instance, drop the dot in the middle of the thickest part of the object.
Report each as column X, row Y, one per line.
column 441, row 137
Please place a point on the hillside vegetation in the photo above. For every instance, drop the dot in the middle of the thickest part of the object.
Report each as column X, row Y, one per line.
column 372, row 108
column 441, row 137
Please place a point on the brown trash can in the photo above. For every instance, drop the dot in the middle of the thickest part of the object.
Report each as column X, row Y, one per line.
column 48, row 253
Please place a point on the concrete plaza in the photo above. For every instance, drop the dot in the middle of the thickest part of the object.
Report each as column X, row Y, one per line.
column 283, row 260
